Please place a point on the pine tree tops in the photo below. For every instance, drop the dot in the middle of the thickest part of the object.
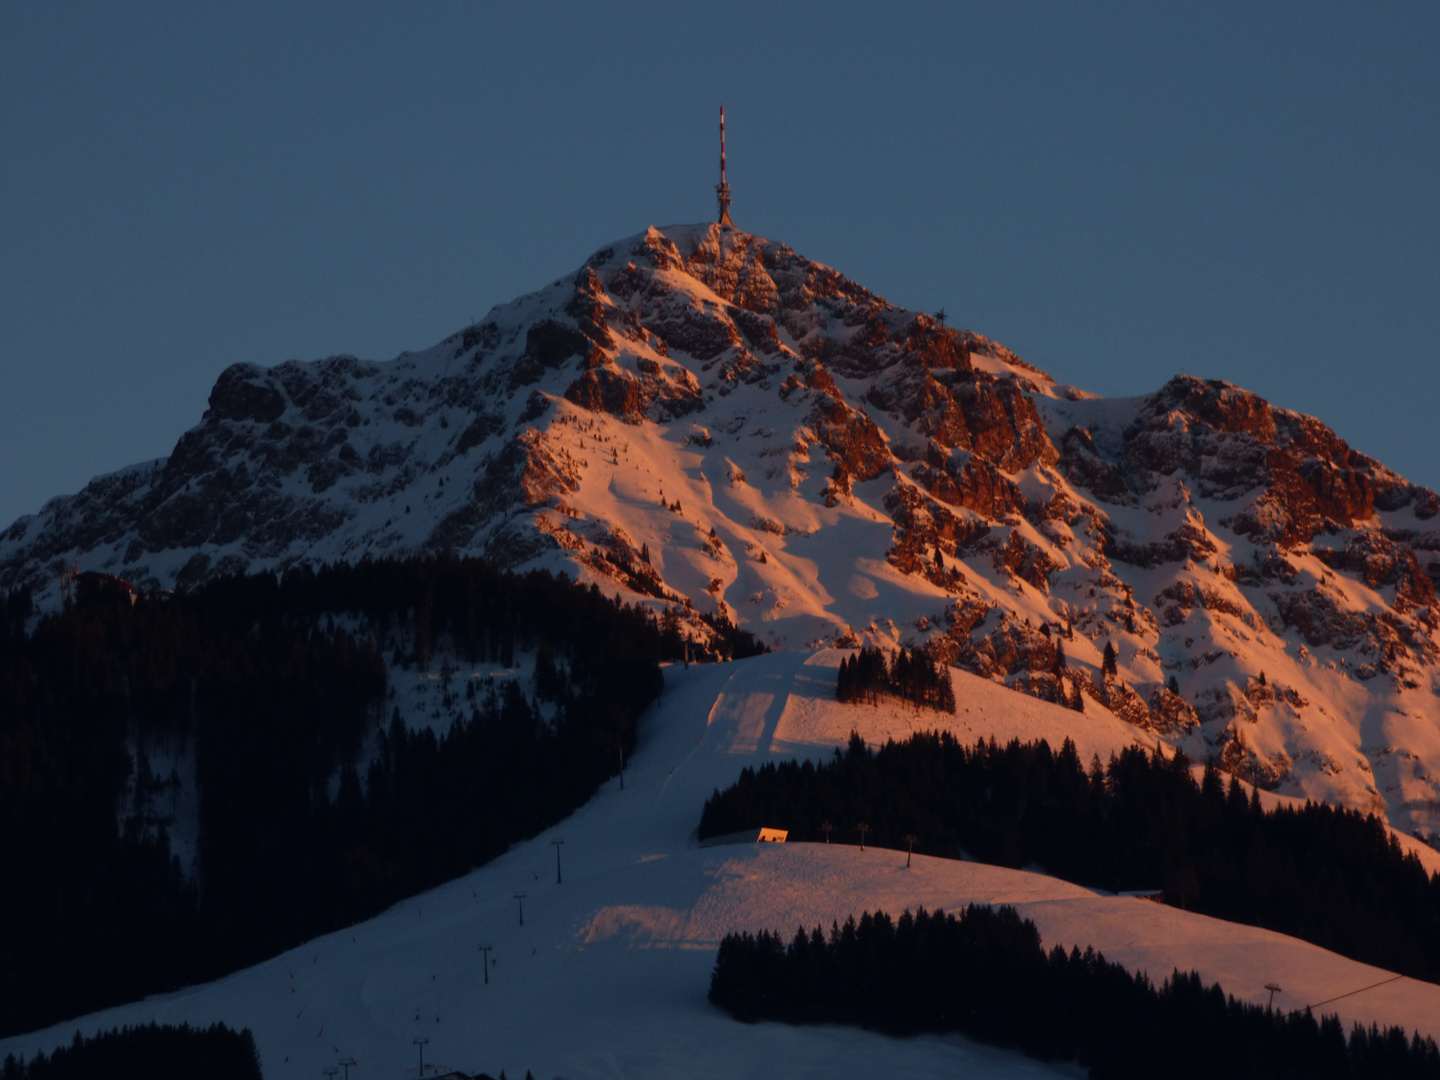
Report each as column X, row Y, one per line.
column 911, row 676
column 862, row 677
column 1108, row 661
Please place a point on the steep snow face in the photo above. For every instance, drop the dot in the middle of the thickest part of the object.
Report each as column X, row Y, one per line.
column 607, row 976
column 705, row 420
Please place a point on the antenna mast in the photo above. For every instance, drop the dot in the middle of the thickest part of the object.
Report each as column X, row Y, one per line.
column 722, row 189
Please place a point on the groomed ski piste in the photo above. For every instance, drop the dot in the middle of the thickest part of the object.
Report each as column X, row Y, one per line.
column 608, row 975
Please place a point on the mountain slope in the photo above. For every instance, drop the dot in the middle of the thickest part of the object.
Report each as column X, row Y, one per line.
column 705, row 418
column 614, row 983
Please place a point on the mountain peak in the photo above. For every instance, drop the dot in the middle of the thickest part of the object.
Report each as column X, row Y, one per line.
column 709, row 422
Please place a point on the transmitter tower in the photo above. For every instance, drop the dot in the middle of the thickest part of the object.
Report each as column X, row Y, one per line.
column 722, row 189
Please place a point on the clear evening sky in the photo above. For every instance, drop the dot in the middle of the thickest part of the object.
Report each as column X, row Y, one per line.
column 1118, row 192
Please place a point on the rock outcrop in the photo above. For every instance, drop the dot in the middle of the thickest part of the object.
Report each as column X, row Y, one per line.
column 717, row 426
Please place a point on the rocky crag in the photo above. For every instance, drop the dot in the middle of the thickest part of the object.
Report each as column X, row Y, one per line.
column 706, row 420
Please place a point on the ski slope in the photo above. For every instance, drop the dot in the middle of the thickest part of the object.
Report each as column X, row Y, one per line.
column 609, row 973
column 707, row 422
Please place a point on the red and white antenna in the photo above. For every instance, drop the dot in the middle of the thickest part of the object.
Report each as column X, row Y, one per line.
column 722, row 189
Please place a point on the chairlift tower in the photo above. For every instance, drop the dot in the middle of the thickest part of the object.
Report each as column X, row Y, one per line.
column 722, row 189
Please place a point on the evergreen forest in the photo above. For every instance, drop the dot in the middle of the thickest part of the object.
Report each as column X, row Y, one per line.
column 913, row 677
column 146, row 1052
column 985, row 974
column 317, row 806
column 1333, row 877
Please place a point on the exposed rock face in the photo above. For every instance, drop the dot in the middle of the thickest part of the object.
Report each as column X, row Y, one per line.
column 707, row 420
column 1170, row 713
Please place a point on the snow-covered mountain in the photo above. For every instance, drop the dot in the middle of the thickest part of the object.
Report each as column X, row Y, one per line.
column 707, row 419
column 607, row 977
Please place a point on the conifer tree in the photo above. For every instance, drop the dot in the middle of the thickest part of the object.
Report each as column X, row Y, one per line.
column 844, row 681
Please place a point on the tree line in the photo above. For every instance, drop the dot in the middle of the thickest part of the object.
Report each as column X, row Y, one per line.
column 317, row 805
column 146, row 1052
column 985, row 974
column 914, row 677
column 1333, row 877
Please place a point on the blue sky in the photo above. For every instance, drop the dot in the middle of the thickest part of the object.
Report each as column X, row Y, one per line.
column 1118, row 192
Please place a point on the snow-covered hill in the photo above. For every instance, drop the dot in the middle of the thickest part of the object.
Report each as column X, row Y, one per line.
column 707, row 420
column 608, row 975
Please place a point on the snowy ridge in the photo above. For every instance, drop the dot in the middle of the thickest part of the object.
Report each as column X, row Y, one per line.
column 608, row 975
column 705, row 420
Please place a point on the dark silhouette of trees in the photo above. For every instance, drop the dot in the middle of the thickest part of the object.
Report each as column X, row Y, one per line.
column 1334, row 877
column 985, row 974
column 147, row 1052
column 316, row 808
column 911, row 676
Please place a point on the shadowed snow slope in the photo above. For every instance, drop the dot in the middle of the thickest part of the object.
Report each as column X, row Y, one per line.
column 707, row 421
column 609, row 973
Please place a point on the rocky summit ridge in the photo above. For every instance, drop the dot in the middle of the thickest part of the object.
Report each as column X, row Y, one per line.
column 708, row 421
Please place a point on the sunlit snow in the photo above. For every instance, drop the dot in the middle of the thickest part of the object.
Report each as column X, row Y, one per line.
column 609, row 974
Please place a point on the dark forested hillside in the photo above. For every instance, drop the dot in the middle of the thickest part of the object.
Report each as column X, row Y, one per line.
column 317, row 806
column 985, row 974
column 147, row 1052
column 1334, row 877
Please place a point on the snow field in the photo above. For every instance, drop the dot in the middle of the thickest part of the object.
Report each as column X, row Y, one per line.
column 608, row 976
